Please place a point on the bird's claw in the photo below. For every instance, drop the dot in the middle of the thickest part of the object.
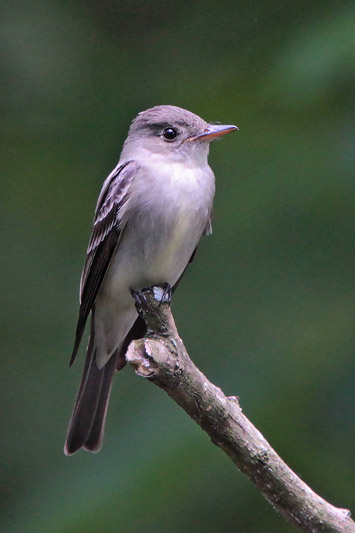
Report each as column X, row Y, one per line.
column 161, row 292
column 139, row 299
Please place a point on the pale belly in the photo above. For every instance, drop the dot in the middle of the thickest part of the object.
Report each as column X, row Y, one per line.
column 144, row 260
column 138, row 264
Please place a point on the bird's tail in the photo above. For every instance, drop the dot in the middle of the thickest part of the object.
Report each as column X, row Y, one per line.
column 86, row 427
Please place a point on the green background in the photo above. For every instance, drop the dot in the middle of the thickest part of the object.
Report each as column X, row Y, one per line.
column 267, row 308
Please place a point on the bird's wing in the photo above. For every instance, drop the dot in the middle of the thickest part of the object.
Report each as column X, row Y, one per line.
column 103, row 242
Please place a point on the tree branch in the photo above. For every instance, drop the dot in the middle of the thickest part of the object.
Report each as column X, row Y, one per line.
column 161, row 357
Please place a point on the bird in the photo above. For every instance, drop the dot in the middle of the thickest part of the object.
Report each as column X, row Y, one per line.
column 151, row 213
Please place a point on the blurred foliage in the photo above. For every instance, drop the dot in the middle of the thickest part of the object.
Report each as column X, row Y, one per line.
column 266, row 309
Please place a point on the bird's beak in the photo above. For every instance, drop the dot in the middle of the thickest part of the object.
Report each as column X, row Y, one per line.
column 213, row 131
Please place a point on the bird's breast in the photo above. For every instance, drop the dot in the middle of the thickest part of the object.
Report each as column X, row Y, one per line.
column 168, row 210
column 175, row 200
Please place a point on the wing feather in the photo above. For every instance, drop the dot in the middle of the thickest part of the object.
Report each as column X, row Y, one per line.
column 104, row 239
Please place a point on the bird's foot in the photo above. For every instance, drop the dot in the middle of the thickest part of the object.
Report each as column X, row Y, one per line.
column 140, row 298
column 161, row 293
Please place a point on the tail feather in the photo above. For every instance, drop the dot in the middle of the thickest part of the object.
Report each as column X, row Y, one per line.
column 85, row 408
column 94, row 441
column 91, row 404
column 86, row 428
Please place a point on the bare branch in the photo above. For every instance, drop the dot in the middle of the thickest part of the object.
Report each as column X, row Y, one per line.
column 161, row 357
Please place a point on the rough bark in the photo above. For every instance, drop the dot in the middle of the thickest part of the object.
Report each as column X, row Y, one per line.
column 161, row 358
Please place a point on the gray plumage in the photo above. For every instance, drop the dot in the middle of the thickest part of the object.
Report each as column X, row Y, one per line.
column 151, row 213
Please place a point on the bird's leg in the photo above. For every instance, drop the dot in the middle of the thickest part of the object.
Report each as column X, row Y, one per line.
column 153, row 305
column 139, row 299
column 161, row 293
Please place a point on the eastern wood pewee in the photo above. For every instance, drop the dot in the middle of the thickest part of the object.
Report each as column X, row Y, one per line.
column 151, row 213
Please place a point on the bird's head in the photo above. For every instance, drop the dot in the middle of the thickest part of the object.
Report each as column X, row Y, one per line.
column 172, row 133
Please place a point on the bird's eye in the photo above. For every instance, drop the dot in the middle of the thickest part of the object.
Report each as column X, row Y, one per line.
column 169, row 134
